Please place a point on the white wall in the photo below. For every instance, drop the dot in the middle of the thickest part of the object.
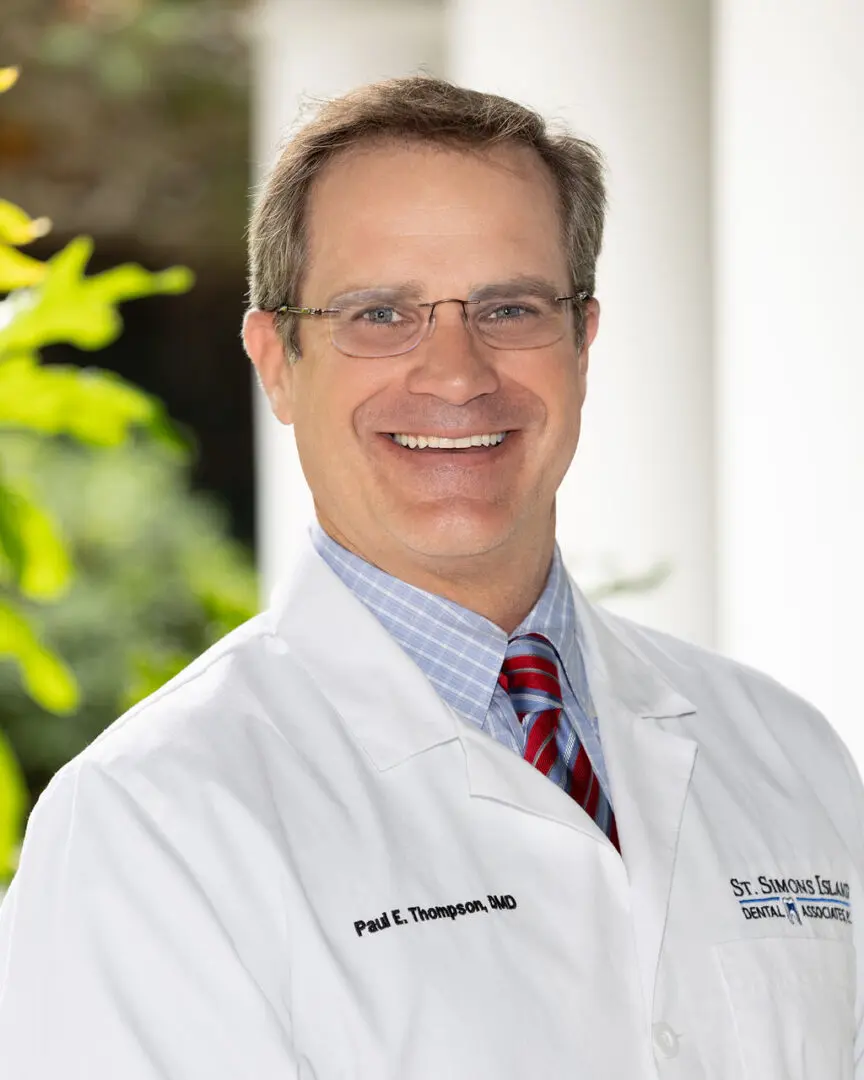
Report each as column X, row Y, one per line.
column 789, row 123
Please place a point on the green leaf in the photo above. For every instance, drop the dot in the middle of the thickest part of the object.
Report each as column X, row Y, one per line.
column 13, row 799
column 8, row 78
column 70, row 307
column 94, row 407
column 18, row 270
column 46, row 678
column 12, row 556
column 32, row 545
column 17, row 227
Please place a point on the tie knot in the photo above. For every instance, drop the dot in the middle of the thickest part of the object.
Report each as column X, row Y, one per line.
column 529, row 673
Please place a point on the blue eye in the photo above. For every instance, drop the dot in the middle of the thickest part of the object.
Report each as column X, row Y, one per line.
column 379, row 316
column 508, row 312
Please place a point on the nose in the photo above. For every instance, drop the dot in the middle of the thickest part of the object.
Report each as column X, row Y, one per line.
column 451, row 363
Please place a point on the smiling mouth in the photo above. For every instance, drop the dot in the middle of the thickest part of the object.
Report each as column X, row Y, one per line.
column 441, row 442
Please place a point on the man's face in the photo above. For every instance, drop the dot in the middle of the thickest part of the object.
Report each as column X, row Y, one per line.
column 449, row 223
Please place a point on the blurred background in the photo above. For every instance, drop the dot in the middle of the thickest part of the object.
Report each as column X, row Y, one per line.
column 717, row 491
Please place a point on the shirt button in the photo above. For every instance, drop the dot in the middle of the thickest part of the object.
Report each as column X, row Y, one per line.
column 665, row 1040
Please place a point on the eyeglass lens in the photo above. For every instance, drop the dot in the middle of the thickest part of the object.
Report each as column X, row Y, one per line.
column 388, row 329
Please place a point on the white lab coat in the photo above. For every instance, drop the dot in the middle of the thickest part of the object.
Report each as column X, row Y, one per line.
column 198, row 889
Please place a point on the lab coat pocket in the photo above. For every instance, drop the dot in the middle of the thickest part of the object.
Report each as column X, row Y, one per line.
column 793, row 1004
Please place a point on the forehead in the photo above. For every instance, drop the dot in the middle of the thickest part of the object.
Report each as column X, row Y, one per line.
column 420, row 211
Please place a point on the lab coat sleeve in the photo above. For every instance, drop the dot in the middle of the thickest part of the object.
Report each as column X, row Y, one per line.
column 113, row 960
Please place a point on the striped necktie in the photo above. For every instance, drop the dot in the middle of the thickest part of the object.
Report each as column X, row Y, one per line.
column 530, row 676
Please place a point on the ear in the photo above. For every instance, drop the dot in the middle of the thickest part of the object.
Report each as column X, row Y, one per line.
column 592, row 325
column 266, row 350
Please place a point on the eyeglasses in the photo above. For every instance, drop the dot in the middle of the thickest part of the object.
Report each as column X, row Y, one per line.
column 370, row 329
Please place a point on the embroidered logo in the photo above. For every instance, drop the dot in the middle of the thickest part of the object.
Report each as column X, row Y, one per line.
column 795, row 899
column 791, row 910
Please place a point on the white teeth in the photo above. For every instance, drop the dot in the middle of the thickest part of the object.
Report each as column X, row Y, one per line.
column 421, row 442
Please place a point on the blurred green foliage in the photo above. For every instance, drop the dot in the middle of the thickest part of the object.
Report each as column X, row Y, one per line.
column 80, row 542
column 157, row 580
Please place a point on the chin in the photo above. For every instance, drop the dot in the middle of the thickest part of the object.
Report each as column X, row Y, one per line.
column 450, row 534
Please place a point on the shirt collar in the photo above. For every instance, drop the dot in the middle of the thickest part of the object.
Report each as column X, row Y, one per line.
column 459, row 651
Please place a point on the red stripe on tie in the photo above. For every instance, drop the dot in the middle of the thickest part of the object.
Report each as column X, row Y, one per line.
column 548, row 757
column 514, row 663
column 534, row 680
column 544, row 727
column 581, row 774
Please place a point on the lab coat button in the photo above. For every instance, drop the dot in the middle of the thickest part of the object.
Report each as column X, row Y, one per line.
column 665, row 1040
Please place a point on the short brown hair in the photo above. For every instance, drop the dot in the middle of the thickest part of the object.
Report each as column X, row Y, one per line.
column 432, row 110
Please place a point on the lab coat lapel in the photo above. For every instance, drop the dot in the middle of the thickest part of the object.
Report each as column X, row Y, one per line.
column 495, row 772
column 386, row 701
column 649, row 770
column 649, row 773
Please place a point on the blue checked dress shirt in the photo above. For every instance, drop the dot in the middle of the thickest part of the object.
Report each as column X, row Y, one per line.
column 461, row 652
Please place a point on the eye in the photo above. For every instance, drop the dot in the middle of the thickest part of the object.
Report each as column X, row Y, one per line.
column 507, row 311
column 380, row 315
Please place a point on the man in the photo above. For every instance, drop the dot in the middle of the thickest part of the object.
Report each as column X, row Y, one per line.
column 433, row 814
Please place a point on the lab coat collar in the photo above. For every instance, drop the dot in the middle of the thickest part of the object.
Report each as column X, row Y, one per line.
column 612, row 655
column 387, row 702
column 390, row 705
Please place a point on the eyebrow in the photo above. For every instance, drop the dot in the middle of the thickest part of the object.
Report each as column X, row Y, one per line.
column 521, row 285
column 405, row 290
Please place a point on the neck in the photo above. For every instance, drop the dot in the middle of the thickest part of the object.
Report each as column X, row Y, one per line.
column 502, row 585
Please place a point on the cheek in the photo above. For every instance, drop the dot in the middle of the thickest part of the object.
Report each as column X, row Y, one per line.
column 573, row 379
column 563, row 393
column 328, row 395
column 560, row 385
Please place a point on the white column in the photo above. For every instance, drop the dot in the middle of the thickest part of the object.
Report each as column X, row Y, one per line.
column 632, row 77
column 317, row 49
column 789, row 118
